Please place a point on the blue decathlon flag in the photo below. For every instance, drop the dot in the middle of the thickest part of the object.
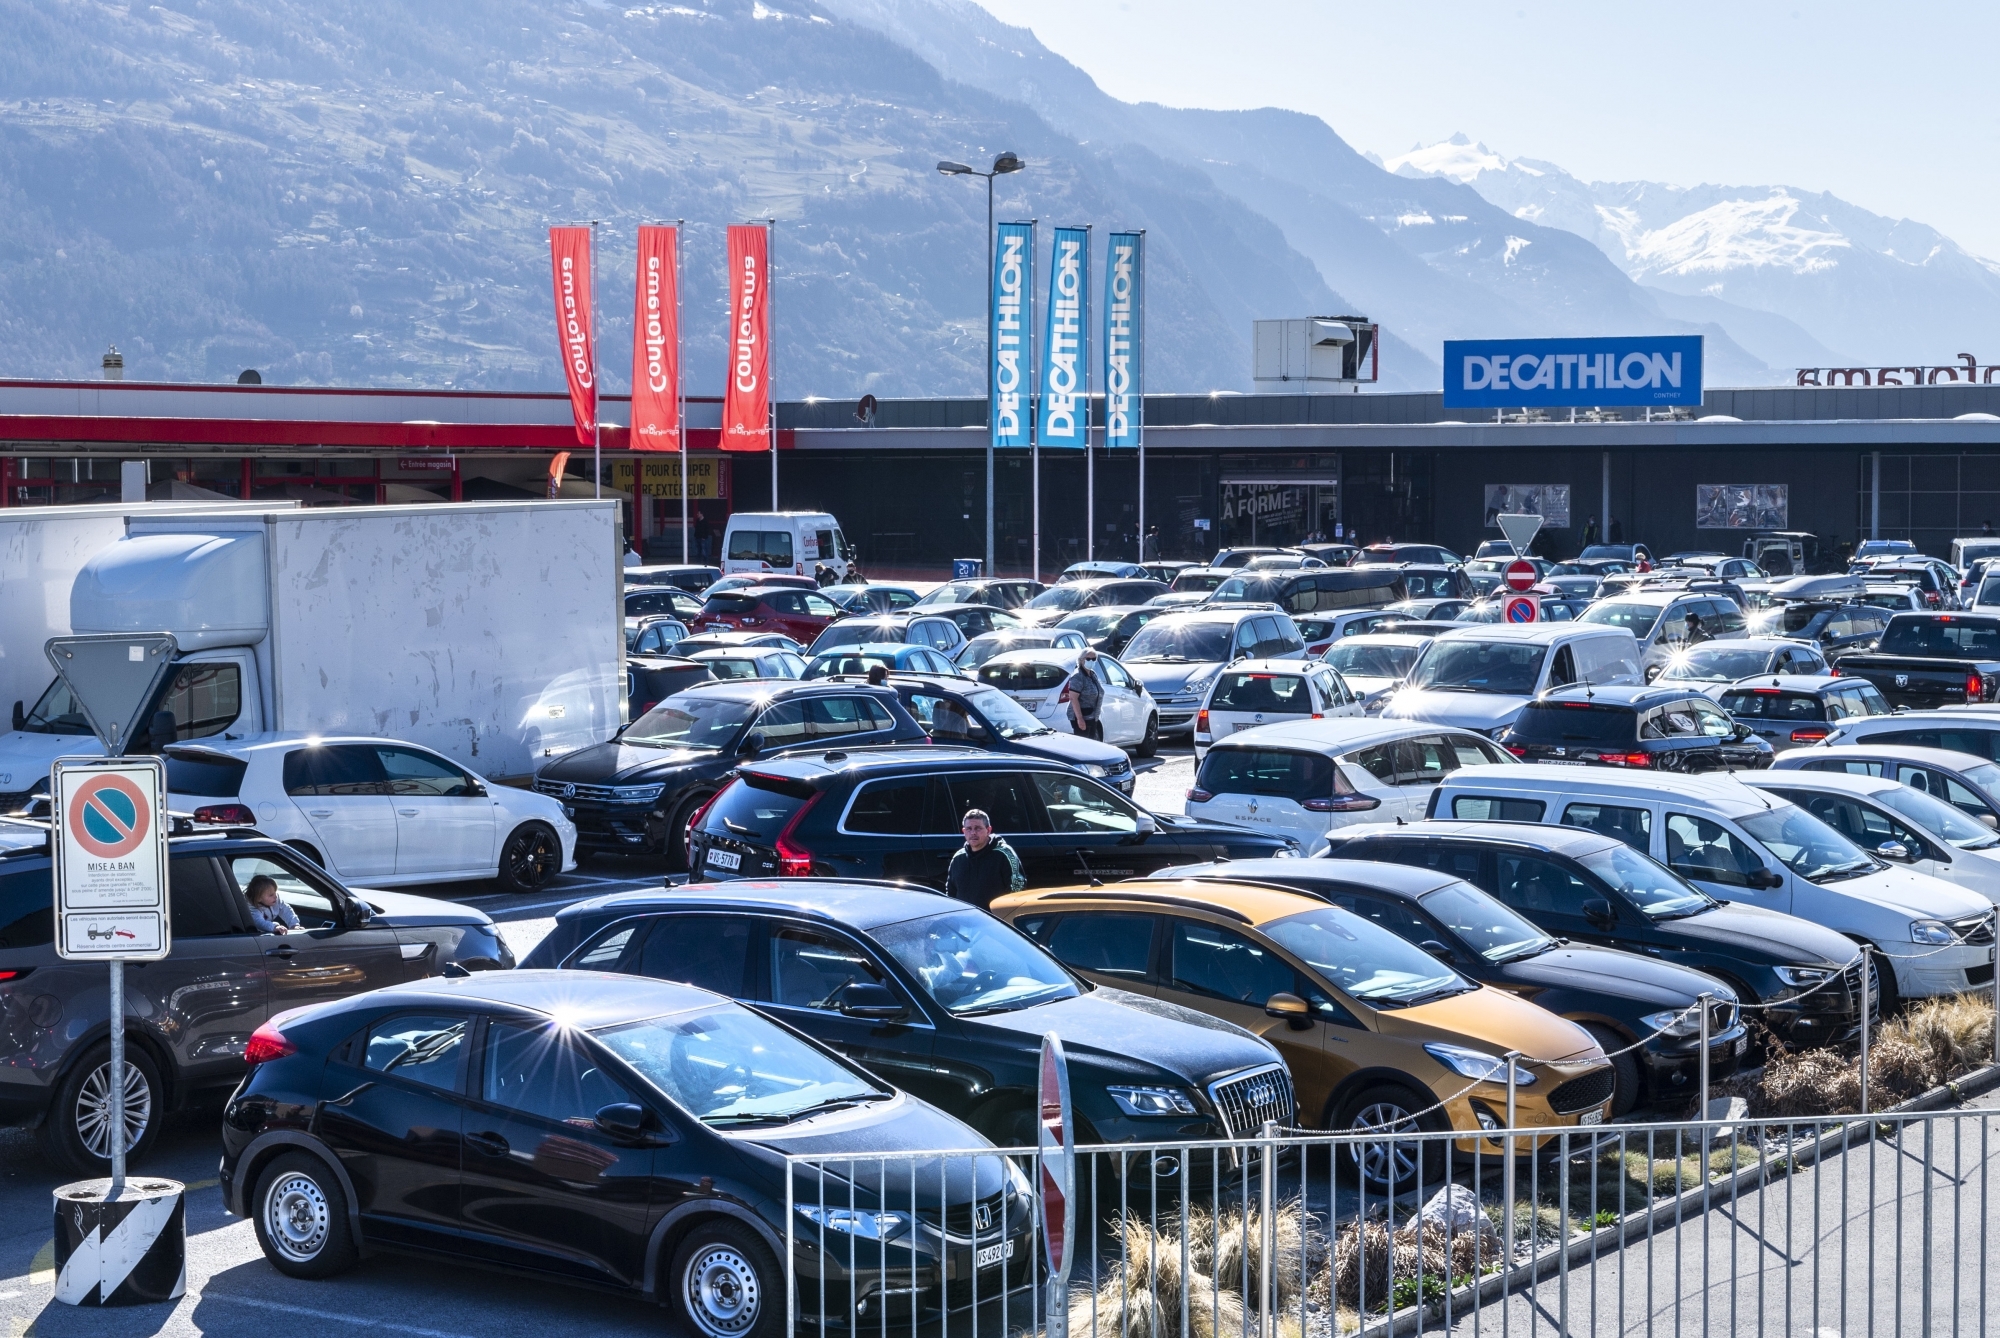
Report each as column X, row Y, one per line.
column 1124, row 337
column 1065, row 416
column 1013, row 318
column 1657, row 370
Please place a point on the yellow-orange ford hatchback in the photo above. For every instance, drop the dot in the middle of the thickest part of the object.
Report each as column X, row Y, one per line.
column 1373, row 1027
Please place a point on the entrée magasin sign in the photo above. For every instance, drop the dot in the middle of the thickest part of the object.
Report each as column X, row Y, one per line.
column 1660, row 371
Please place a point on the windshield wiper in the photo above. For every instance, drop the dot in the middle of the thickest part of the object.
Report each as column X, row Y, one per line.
column 1534, row 950
column 1679, row 914
column 787, row 1117
column 1010, row 1005
column 1441, row 992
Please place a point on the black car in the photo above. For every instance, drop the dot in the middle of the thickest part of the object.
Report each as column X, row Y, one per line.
column 941, row 999
column 1059, row 601
column 895, row 814
column 693, row 578
column 619, row 1133
column 957, row 711
column 636, row 793
column 651, row 679
column 642, row 601
column 1835, row 626
column 190, row 1014
column 1615, row 995
column 1108, row 629
column 1662, row 728
column 1589, row 886
column 1794, row 710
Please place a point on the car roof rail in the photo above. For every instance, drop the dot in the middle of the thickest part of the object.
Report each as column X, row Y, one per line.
column 1152, row 898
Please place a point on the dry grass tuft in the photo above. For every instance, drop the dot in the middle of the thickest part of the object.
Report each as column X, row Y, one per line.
column 1145, row 1296
column 1931, row 1043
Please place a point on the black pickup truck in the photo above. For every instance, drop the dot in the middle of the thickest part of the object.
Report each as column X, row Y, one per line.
column 1932, row 659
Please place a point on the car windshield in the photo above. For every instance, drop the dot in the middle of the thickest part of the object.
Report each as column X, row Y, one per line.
column 951, row 592
column 858, row 631
column 1986, row 777
column 1656, row 890
column 1092, row 622
column 830, row 662
column 1008, row 717
column 1479, row 666
column 972, row 963
column 1494, row 932
column 1715, row 664
column 1809, row 847
column 1166, row 640
column 1371, row 661
column 983, row 648
column 1060, row 597
column 690, row 722
column 1364, row 960
column 1935, row 815
column 1947, row 636
column 1638, row 619
column 728, row 1066
column 57, row 712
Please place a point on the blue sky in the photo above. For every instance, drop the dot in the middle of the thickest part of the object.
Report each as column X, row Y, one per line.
column 1888, row 106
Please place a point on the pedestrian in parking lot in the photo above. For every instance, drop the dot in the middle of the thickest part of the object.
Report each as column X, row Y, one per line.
column 1085, row 695
column 986, row 866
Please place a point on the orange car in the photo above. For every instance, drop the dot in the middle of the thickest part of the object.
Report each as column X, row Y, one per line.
column 1374, row 1028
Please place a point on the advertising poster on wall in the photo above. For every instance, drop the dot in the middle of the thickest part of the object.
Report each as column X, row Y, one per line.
column 1550, row 501
column 1742, row 506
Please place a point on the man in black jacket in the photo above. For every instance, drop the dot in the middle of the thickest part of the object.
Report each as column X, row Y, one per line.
column 986, row 867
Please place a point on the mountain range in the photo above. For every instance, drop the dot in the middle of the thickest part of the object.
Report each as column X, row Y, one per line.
column 353, row 193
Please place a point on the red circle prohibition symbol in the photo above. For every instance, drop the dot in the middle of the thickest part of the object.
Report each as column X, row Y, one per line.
column 108, row 816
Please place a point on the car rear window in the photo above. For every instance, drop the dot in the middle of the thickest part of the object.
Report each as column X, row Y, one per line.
column 1773, row 704
column 1574, row 722
column 1274, row 771
column 729, row 602
column 1023, row 677
column 210, row 775
column 1948, row 635
column 755, row 808
column 1262, row 692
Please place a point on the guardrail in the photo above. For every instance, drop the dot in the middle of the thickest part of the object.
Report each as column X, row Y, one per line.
column 1845, row 1224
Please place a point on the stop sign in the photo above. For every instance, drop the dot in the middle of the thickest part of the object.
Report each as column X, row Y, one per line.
column 1520, row 574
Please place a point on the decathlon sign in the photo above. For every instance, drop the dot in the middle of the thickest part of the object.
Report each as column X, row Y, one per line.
column 1659, row 370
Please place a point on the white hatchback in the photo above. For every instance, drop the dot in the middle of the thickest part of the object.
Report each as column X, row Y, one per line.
column 1035, row 679
column 1253, row 693
column 377, row 812
column 1304, row 778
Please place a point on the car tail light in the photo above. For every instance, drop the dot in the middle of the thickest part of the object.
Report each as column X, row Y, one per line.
column 226, row 815
column 1201, row 721
column 694, row 823
column 1199, row 796
column 1518, row 752
column 646, row 706
column 1626, row 759
column 266, row 1044
column 1810, row 733
column 1975, row 686
column 6, row 976
column 794, row 860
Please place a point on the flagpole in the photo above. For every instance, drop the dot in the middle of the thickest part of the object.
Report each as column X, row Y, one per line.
column 1137, row 380
column 596, row 393
column 770, row 353
column 1089, row 456
column 1034, row 406
column 680, row 393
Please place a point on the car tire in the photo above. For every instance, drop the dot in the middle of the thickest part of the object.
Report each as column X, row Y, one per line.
column 305, row 849
column 531, row 857
column 675, row 845
column 1627, row 1082
column 300, row 1211
column 1387, row 1166
column 1151, row 743
column 727, row 1283
column 1008, row 1125
column 76, row 1131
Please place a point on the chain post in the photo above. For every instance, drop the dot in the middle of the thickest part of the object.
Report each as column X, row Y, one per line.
column 1867, row 993
column 1267, row 1276
column 1507, row 1167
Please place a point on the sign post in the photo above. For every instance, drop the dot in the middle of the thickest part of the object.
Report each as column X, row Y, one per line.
column 116, row 1243
column 1520, row 530
column 1055, row 1165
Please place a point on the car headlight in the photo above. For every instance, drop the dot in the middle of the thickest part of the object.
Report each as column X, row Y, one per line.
column 1931, row 931
column 1801, row 975
column 1477, row 1064
column 636, row 794
column 861, row 1222
column 1291, row 851
column 1674, row 1022
column 1096, row 769
column 1142, row 1101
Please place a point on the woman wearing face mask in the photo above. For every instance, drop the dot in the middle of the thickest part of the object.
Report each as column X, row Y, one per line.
column 1085, row 694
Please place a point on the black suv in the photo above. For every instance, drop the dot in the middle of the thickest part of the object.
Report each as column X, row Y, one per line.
column 190, row 1014
column 1616, row 996
column 958, row 711
column 1590, row 887
column 940, row 999
column 636, row 793
column 1664, row 728
column 895, row 814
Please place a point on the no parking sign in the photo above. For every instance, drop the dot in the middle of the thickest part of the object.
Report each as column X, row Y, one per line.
column 1521, row 609
column 111, row 858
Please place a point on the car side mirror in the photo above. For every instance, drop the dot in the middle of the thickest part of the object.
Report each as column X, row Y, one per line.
column 1767, row 879
column 1146, row 825
column 1436, row 949
column 20, row 716
column 358, row 914
column 869, row 1001
column 1895, row 850
column 1295, row 1012
column 630, row 1123
column 1598, row 912
column 753, row 744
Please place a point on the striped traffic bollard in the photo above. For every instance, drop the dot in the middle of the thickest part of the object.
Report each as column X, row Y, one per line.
column 128, row 1248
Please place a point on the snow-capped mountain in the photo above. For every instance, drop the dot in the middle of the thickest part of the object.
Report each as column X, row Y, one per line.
column 1861, row 286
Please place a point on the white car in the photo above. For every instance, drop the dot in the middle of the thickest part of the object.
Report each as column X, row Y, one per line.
column 1304, row 779
column 1375, row 663
column 1252, row 693
column 1958, row 729
column 377, row 812
column 1896, row 823
column 1480, row 677
column 1034, row 678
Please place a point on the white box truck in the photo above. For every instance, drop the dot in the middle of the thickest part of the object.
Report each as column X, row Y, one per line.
column 489, row 631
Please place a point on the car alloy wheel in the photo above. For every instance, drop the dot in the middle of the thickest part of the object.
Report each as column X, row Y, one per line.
column 724, row 1294
column 530, row 859
column 93, row 1109
column 1387, row 1161
column 296, row 1217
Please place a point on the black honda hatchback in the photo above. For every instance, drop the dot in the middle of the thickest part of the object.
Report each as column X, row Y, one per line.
column 620, row 1133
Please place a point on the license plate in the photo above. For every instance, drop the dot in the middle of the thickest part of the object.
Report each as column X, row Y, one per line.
column 715, row 627
column 1742, row 1044
column 1234, row 727
column 990, row 1255
column 1592, row 1117
column 724, row 859
column 1562, row 762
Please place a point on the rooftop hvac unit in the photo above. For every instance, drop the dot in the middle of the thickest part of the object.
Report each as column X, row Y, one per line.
column 1316, row 353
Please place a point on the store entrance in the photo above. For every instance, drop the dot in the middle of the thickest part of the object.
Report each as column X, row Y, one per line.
column 1277, row 512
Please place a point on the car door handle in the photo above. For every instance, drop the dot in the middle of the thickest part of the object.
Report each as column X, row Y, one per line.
column 283, row 950
column 320, row 812
column 407, row 812
column 490, row 1143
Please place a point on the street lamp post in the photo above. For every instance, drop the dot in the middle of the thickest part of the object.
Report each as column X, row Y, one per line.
column 1005, row 163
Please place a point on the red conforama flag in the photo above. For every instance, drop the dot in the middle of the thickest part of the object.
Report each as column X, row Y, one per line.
column 746, row 401
column 569, row 258
column 656, row 355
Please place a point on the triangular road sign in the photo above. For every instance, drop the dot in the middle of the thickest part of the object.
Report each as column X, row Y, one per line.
column 114, row 677
column 1520, row 531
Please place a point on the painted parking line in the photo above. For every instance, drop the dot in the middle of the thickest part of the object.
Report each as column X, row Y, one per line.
column 309, row 1312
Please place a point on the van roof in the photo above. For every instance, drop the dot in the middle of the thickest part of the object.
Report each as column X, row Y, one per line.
column 779, row 515
column 1722, row 792
column 1534, row 633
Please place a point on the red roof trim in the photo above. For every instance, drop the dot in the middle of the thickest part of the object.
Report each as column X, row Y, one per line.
column 359, row 392
column 259, row 433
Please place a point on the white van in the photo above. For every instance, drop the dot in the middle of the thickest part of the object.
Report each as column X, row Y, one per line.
column 1740, row 844
column 802, row 543
column 1480, row 678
